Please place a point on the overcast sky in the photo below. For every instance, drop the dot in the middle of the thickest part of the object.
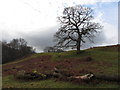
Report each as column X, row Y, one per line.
column 36, row 20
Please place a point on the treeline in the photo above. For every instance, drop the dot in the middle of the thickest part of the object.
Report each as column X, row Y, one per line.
column 15, row 49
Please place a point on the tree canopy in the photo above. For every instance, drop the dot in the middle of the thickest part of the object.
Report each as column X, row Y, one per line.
column 15, row 49
column 76, row 25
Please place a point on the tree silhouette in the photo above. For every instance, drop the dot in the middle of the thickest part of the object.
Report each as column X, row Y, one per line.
column 76, row 24
column 17, row 48
column 52, row 49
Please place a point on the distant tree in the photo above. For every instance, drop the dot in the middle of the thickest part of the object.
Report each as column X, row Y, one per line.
column 18, row 43
column 52, row 49
column 7, row 52
column 49, row 49
column 59, row 50
column 17, row 48
column 76, row 26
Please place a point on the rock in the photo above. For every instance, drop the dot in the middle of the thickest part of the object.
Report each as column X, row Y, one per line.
column 83, row 77
column 56, row 75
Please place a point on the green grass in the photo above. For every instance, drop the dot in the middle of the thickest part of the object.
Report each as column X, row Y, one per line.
column 0, row 82
column 105, row 62
column 28, row 58
column 9, row 82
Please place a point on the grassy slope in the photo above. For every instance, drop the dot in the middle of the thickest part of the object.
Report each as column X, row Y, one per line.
column 105, row 63
column 105, row 60
column 9, row 82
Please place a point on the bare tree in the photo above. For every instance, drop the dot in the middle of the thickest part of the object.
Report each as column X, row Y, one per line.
column 49, row 49
column 52, row 49
column 76, row 25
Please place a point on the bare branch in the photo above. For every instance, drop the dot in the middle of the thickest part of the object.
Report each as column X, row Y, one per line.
column 75, row 26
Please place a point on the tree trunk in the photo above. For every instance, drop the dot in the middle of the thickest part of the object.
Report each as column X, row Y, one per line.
column 78, row 47
column 78, row 41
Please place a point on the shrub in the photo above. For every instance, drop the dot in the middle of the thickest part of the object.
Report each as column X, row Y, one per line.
column 22, row 75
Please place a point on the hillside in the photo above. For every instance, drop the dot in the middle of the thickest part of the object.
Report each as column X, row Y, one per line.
column 101, row 61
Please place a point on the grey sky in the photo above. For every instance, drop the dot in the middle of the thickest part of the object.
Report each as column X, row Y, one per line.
column 36, row 20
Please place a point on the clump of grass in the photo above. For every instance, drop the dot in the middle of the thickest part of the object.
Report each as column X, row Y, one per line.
column 35, row 75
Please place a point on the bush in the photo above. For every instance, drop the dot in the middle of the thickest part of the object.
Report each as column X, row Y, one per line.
column 22, row 75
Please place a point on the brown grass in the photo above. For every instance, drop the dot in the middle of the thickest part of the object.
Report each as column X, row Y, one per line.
column 44, row 64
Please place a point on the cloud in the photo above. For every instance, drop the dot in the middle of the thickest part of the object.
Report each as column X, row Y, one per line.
column 39, row 39
column 119, row 22
column 109, row 34
column 35, row 21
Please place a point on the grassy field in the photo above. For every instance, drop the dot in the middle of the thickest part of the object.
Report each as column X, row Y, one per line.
column 104, row 63
column 9, row 82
